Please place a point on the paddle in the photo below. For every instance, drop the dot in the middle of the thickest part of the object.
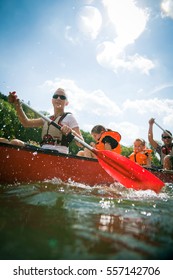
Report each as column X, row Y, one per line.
column 163, row 129
column 123, row 170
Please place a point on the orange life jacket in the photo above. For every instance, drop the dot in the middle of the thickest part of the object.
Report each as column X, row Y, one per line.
column 115, row 135
column 141, row 157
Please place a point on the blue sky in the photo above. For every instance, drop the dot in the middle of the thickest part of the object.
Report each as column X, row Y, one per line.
column 113, row 57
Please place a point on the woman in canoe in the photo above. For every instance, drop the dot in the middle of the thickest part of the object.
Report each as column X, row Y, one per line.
column 52, row 138
column 105, row 139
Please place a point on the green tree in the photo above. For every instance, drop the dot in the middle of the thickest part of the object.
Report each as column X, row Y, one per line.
column 155, row 159
column 126, row 151
column 11, row 128
column 73, row 148
column 9, row 123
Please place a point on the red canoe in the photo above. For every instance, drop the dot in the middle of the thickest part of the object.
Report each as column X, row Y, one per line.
column 32, row 164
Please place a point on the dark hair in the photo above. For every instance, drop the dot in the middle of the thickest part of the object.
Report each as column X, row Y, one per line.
column 98, row 129
column 166, row 131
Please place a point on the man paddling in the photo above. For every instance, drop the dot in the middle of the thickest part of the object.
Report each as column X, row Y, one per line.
column 165, row 151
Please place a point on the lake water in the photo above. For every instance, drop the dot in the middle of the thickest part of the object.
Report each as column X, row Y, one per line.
column 57, row 221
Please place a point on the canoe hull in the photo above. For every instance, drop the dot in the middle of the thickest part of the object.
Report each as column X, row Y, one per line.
column 31, row 164
column 25, row 165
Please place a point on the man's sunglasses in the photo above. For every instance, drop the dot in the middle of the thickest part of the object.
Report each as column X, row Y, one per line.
column 62, row 97
column 166, row 137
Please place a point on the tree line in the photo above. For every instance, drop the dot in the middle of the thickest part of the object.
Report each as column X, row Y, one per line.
column 11, row 128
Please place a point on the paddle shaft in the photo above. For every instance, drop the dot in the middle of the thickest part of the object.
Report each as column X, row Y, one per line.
column 76, row 138
column 163, row 129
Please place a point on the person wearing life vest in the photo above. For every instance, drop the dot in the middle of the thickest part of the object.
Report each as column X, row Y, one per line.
column 85, row 152
column 165, row 151
column 141, row 154
column 52, row 138
column 105, row 139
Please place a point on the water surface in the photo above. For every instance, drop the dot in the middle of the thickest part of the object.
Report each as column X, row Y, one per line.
column 53, row 220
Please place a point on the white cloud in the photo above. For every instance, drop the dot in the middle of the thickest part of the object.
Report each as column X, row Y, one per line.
column 156, row 106
column 141, row 63
column 167, row 8
column 129, row 22
column 128, row 131
column 109, row 55
column 102, row 104
column 89, row 21
column 136, row 114
column 97, row 102
column 167, row 120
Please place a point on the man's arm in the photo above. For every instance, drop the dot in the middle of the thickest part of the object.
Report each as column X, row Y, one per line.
column 153, row 143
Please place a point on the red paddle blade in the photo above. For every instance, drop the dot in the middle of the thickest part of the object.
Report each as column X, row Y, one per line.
column 127, row 172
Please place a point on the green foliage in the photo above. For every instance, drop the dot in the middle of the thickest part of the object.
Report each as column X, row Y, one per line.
column 9, row 123
column 155, row 159
column 11, row 128
column 73, row 148
column 126, row 151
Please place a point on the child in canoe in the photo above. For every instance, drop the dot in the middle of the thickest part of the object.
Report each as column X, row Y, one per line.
column 105, row 139
column 141, row 154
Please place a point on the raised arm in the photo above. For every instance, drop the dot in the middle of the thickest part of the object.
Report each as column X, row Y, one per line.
column 153, row 143
column 25, row 121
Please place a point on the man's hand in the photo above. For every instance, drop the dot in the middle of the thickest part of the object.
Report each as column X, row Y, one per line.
column 151, row 121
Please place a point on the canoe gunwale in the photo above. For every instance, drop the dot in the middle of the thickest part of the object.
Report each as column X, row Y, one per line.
column 63, row 166
column 32, row 148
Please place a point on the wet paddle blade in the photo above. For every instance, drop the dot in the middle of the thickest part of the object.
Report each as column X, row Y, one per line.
column 127, row 172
